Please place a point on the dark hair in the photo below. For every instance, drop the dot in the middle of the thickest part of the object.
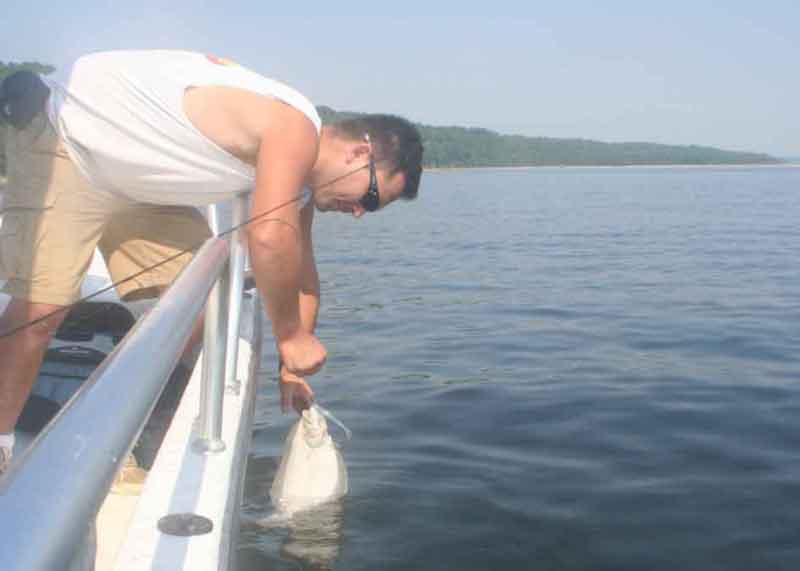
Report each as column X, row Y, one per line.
column 397, row 143
column 23, row 94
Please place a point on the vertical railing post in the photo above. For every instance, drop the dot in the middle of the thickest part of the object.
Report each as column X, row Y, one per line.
column 212, row 390
column 236, row 267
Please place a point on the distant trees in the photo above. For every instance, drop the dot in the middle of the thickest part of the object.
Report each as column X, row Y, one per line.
column 10, row 67
column 474, row 147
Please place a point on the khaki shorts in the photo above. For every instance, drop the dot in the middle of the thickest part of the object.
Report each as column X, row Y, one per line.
column 53, row 220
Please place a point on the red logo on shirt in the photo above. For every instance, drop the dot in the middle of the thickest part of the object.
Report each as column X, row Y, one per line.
column 221, row 61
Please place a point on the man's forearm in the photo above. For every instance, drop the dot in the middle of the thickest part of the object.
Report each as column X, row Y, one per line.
column 309, row 281
column 308, row 304
column 309, row 309
column 275, row 257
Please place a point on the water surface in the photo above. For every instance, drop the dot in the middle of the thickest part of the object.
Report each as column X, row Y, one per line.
column 573, row 369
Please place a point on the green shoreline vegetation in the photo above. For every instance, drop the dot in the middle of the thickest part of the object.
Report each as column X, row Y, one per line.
column 466, row 147
column 462, row 147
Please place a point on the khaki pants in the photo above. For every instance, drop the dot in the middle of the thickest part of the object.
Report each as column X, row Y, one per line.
column 53, row 220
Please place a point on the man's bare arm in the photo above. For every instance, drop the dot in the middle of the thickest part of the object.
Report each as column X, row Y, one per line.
column 309, row 280
column 295, row 391
column 286, row 155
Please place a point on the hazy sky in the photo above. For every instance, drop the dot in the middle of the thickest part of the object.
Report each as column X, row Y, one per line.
column 720, row 73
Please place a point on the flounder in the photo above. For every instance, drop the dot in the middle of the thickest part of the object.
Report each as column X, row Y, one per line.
column 312, row 470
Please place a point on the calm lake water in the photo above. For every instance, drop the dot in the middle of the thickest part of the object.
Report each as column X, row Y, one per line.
column 576, row 369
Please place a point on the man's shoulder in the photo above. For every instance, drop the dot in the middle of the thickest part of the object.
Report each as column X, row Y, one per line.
column 256, row 111
column 238, row 119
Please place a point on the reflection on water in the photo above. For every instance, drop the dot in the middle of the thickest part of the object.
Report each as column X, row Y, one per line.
column 314, row 536
column 309, row 539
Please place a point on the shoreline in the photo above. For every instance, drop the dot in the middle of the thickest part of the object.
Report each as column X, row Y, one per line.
column 643, row 166
column 4, row 180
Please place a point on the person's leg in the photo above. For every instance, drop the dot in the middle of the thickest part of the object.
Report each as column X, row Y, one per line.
column 21, row 353
column 52, row 221
column 142, row 236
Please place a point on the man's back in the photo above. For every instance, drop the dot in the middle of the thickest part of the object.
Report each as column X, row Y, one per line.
column 123, row 118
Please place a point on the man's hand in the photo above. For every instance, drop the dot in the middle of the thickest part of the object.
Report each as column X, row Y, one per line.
column 295, row 392
column 302, row 354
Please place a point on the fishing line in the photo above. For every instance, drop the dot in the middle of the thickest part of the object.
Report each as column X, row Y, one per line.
column 193, row 248
column 329, row 415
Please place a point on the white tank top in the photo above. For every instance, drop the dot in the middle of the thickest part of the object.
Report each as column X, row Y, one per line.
column 121, row 118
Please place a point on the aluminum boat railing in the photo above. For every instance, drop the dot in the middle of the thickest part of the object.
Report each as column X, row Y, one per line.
column 50, row 497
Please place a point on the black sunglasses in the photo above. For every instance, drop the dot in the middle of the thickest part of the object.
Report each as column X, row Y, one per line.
column 371, row 201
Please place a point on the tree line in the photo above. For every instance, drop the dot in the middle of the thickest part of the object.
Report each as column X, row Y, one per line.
column 454, row 147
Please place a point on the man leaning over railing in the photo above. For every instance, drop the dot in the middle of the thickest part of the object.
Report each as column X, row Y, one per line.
column 119, row 156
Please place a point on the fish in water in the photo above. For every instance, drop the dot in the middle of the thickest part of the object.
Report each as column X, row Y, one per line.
column 312, row 470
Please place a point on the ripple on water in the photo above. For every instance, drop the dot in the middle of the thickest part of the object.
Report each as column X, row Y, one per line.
column 597, row 372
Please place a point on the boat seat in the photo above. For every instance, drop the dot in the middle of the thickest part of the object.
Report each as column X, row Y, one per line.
column 63, row 371
column 87, row 319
